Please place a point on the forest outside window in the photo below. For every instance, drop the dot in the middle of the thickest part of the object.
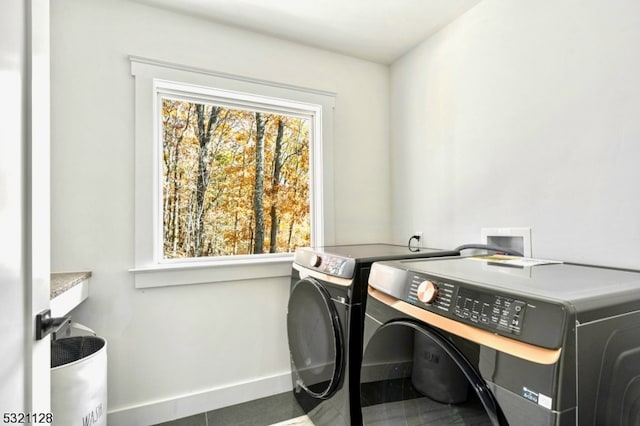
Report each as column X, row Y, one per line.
column 235, row 181
column 232, row 174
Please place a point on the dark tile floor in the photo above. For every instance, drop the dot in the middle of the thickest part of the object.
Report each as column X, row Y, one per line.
column 259, row 412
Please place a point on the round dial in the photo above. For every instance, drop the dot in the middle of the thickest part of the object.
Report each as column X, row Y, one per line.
column 427, row 292
column 315, row 261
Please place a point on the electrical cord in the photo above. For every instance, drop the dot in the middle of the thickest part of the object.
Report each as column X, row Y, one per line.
column 489, row 247
column 414, row 249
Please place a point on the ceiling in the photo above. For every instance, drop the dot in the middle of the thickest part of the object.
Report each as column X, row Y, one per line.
column 375, row 30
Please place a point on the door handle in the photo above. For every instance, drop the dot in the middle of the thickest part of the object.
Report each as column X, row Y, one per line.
column 46, row 325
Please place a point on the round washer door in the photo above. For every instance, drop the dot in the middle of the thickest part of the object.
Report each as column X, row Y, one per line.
column 315, row 338
column 412, row 374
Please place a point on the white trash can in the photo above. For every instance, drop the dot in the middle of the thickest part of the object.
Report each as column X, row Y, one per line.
column 79, row 381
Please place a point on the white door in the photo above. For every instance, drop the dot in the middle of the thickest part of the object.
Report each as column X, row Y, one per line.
column 24, row 208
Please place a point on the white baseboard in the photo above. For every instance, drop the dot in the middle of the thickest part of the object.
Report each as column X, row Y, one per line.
column 195, row 403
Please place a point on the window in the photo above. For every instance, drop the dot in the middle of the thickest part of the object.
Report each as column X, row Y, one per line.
column 235, row 178
column 232, row 174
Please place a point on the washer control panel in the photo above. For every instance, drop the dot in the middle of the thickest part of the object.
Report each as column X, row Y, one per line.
column 487, row 308
column 443, row 293
column 499, row 312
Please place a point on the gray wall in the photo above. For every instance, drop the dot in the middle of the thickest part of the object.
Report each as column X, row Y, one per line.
column 523, row 114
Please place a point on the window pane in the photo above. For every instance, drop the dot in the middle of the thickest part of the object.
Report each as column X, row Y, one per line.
column 235, row 181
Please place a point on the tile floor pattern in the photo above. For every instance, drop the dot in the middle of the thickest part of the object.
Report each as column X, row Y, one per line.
column 280, row 410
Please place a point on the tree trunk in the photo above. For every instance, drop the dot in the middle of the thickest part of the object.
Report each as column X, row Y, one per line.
column 205, row 132
column 176, row 224
column 275, row 186
column 258, row 246
column 290, row 235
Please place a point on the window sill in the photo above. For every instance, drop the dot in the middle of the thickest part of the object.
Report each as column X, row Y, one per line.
column 173, row 274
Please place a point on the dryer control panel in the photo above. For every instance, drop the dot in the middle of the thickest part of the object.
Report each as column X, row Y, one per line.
column 336, row 266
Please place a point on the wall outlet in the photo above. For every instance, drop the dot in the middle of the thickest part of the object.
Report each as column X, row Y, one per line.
column 518, row 239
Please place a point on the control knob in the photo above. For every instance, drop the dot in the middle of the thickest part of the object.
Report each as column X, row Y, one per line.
column 427, row 292
column 315, row 261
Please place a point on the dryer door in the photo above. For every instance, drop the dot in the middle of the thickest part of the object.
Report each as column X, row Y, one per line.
column 315, row 338
column 412, row 374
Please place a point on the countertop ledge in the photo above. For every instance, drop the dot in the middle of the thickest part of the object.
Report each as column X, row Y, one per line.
column 63, row 281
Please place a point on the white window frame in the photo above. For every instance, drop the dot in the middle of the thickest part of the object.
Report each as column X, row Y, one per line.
column 154, row 78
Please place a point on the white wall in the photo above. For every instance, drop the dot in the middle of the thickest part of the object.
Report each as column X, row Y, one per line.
column 177, row 350
column 523, row 113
